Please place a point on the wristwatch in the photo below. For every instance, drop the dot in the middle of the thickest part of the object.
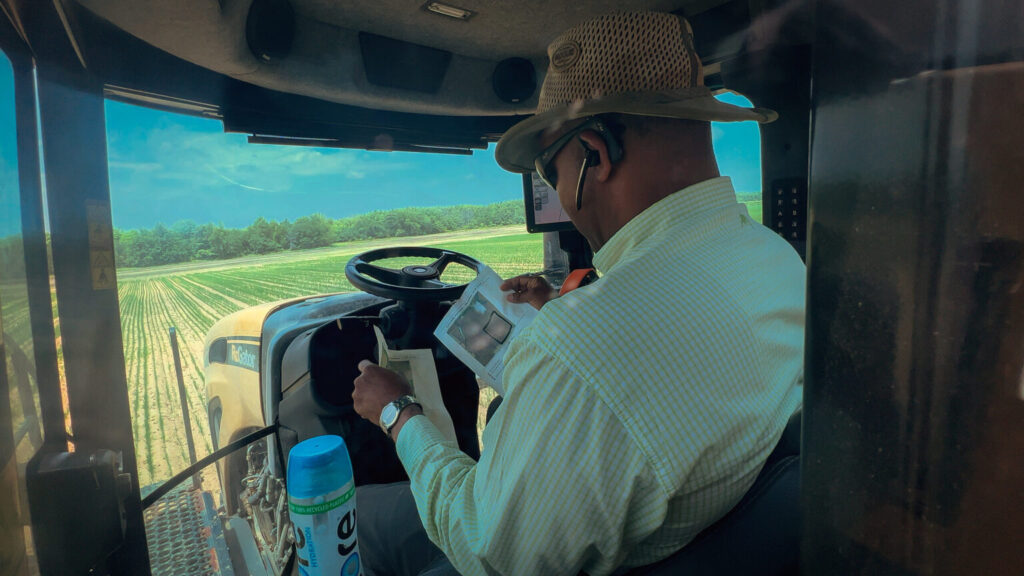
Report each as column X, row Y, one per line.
column 389, row 415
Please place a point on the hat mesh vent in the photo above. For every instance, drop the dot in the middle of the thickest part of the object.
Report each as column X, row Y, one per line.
column 622, row 53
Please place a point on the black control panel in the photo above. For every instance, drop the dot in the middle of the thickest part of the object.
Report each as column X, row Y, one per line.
column 785, row 209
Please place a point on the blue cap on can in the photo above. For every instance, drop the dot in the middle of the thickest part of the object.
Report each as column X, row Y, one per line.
column 318, row 466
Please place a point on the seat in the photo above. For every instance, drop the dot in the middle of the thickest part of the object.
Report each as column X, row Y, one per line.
column 761, row 534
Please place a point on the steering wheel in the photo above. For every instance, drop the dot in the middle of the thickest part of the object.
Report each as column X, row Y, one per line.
column 419, row 282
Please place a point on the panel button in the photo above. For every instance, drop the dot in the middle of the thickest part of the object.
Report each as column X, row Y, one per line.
column 789, row 218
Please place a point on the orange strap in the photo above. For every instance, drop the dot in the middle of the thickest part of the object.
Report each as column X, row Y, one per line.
column 577, row 278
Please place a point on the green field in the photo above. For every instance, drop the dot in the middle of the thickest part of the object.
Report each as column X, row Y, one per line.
column 192, row 297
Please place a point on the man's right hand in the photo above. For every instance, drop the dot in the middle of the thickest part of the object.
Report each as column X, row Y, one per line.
column 529, row 288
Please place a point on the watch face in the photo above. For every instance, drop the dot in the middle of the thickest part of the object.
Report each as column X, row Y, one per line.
column 389, row 415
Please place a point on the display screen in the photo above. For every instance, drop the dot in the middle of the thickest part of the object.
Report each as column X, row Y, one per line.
column 544, row 212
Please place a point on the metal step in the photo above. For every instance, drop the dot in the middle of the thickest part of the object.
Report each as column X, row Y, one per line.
column 185, row 536
column 247, row 558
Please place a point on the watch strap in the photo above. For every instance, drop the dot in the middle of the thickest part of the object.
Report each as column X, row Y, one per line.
column 401, row 404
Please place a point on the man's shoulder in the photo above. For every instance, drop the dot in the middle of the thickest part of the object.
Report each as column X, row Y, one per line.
column 565, row 328
column 582, row 311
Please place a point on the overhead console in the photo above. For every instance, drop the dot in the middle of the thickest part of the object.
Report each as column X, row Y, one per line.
column 369, row 56
column 436, row 57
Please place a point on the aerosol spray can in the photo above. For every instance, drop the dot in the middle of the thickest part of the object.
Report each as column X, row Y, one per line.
column 322, row 507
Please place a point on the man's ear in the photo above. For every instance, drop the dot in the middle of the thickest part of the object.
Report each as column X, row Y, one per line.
column 592, row 140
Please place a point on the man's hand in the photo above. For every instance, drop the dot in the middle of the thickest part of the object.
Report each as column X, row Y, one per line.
column 529, row 288
column 375, row 388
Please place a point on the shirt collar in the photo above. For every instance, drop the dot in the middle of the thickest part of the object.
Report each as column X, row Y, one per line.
column 668, row 212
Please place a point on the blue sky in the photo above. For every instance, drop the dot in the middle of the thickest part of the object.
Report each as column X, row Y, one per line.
column 168, row 167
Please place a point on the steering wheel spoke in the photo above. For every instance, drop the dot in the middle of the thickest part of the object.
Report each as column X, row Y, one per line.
column 380, row 273
column 441, row 263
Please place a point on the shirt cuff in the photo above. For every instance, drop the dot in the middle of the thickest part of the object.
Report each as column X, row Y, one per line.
column 416, row 437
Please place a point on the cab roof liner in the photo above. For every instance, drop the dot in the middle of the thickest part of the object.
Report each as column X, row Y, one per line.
column 312, row 87
column 315, row 47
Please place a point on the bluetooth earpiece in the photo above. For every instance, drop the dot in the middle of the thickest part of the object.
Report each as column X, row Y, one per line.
column 593, row 157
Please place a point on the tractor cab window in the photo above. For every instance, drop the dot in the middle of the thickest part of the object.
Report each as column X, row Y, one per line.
column 21, row 428
column 738, row 149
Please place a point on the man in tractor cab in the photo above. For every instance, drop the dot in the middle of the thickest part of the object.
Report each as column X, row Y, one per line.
column 638, row 409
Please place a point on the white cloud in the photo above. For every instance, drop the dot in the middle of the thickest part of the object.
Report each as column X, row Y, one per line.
column 201, row 159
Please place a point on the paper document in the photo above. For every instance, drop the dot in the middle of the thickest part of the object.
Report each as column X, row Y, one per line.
column 418, row 369
column 480, row 326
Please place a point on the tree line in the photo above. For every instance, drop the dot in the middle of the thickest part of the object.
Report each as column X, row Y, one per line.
column 185, row 241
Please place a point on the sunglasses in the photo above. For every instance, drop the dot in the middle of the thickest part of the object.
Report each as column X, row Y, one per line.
column 543, row 163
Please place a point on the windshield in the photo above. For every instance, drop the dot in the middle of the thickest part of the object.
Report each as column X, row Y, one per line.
column 207, row 224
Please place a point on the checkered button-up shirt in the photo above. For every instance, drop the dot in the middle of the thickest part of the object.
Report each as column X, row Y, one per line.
column 638, row 409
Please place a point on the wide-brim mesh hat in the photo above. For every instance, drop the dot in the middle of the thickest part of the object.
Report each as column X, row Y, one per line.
column 640, row 63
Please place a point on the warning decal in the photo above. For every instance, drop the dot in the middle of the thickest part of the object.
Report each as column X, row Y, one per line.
column 101, row 246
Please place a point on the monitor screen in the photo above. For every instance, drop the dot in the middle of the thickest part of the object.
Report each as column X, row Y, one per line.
column 543, row 210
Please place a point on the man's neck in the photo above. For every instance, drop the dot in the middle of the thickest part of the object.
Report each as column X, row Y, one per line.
column 641, row 191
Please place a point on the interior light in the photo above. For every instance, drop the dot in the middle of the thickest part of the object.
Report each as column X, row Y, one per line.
column 448, row 10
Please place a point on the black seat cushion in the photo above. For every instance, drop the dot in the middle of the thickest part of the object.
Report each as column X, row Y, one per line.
column 761, row 534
